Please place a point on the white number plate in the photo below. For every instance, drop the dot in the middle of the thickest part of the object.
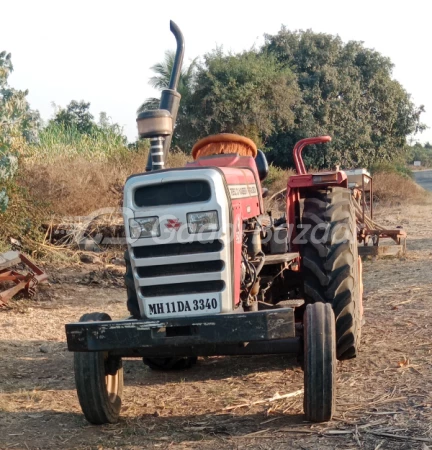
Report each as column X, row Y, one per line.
column 180, row 307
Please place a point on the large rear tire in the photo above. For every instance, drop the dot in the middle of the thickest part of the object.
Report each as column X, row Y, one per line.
column 319, row 362
column 99, row 381
column 330, row 262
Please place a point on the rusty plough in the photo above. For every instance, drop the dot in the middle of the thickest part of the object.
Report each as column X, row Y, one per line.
column 25, row 280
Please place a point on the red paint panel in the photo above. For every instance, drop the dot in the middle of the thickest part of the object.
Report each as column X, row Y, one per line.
column 244, row 190
column 240, row 172
column 241, row 176
column 237, row 238
column 305, row 181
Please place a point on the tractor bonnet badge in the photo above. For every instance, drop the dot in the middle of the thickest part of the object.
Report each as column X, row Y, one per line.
column 173, row 224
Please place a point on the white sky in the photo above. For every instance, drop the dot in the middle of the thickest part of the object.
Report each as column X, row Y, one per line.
column 101, row 51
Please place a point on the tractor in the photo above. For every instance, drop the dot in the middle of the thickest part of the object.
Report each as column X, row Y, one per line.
column 209, row 272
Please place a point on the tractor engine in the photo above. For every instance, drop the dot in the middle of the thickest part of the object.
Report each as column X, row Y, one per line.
column 253, row 259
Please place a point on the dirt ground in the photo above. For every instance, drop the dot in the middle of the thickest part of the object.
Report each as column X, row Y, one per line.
column 386, row 391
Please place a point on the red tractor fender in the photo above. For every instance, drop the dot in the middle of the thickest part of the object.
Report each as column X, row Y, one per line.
column 303, row 180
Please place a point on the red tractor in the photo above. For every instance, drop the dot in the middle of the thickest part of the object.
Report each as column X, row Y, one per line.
column 210, row 273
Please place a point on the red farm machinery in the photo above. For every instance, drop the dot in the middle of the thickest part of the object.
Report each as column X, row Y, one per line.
column 20, row 275
column 210, row 273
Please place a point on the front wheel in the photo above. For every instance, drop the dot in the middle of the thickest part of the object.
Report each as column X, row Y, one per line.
column 319, row 362
column 99, row 381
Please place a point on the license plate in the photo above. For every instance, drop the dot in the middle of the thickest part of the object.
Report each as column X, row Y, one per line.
column 206, row 304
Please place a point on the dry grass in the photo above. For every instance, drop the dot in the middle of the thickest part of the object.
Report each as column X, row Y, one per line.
column 390, row 189
column 393, row 188
column 60, row 188
column 277, row 179
column 276, row 182
column 178, row 159
column 77, row 186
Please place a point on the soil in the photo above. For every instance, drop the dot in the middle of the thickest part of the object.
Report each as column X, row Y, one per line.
column 387, row 390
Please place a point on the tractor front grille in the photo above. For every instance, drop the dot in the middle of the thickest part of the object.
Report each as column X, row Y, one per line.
column 173, row 193
column 175, row 249
column 181, row 269
column 180, row 266
column 195, row 274
column 196, row 287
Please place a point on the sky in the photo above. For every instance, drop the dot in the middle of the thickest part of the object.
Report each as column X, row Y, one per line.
column 102, row 51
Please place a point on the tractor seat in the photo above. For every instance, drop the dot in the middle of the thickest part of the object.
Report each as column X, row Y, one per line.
column 224, row 143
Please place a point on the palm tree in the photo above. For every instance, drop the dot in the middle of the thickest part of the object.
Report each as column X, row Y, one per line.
column 162, row 77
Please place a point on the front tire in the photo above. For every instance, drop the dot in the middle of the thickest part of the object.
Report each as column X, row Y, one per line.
column 99, row 381
column 330, row 262
column 319, row 362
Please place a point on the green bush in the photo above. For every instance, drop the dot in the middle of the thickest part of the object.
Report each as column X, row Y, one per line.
column 58, row 140
column 392, row 167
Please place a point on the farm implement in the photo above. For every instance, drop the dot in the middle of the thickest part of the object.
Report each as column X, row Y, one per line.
column 374, row 237
column 24, row 276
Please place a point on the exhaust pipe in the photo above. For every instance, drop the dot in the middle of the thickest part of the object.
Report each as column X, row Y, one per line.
column 170, row 101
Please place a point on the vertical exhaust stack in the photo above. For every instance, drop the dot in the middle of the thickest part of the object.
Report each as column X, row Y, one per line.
column 158, row 125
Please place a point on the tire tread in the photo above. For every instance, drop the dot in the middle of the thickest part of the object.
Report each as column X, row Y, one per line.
column 330, row 265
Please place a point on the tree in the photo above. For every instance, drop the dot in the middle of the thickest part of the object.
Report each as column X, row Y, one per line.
column 107, row 126
column 246, row 93
column 419, row 152
column 162, row 78
column 77, row 115
column 18, row 125
column 348, row 92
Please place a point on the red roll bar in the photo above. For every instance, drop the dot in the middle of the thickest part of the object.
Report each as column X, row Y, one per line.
column 298, row 148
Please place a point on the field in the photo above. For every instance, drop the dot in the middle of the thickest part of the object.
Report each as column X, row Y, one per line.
column 384, row 398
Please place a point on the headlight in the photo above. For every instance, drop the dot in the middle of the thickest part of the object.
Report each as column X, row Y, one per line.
column 203, row 222
column 144, row 228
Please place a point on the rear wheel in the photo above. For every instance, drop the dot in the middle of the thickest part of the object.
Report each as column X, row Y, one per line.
column 99, row 381
column 319, row 362
column 330, row 262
